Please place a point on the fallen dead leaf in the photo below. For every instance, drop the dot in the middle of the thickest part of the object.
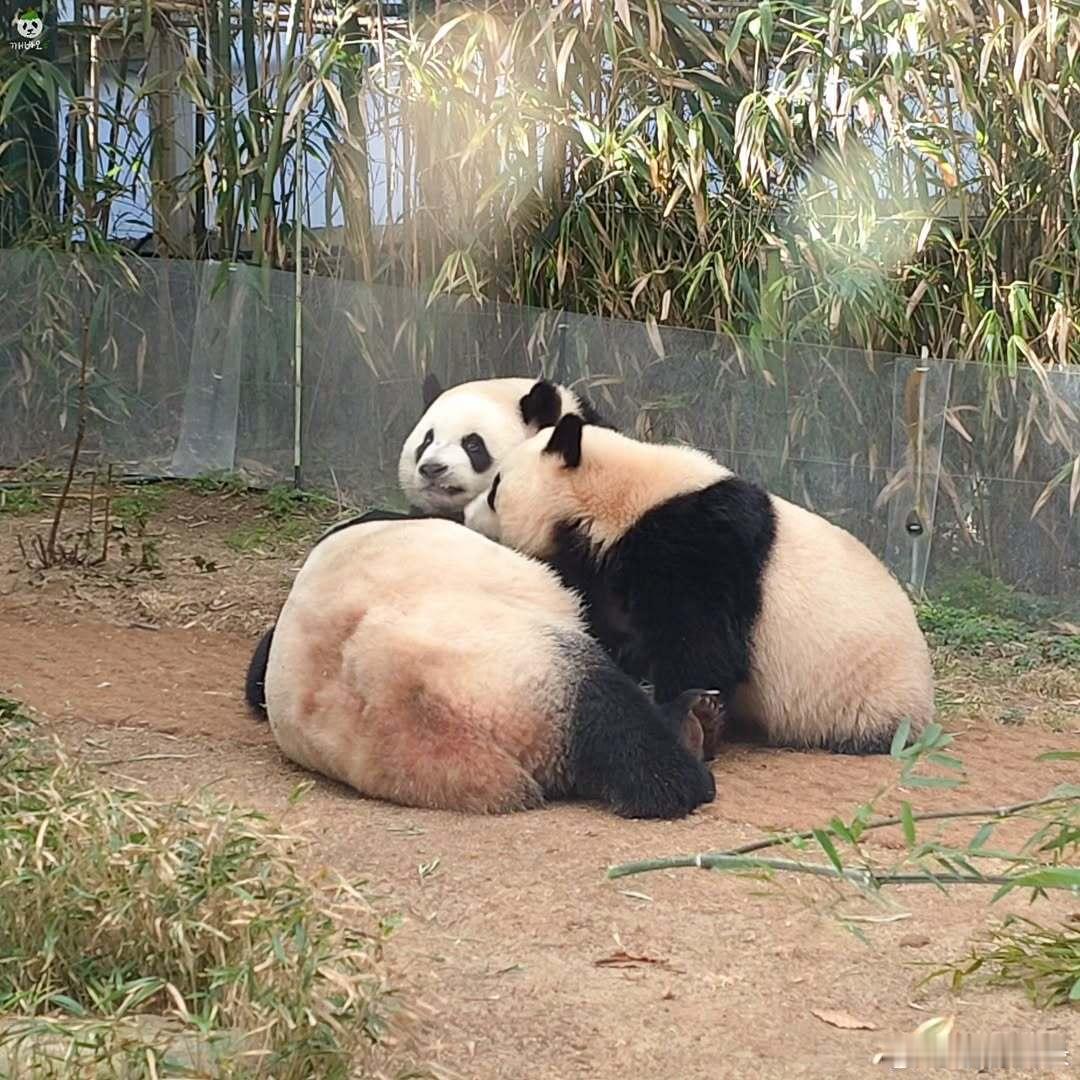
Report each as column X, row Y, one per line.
column 843, row 1020
column 623, row 959
column 914, row 941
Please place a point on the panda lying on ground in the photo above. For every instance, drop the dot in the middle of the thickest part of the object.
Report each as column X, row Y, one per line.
column 423, row 664
column 694, row 577
column 449, row 456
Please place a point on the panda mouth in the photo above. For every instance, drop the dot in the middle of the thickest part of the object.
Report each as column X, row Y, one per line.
column 449, row 490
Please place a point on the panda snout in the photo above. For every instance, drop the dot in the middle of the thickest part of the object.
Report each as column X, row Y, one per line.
column 432, row 470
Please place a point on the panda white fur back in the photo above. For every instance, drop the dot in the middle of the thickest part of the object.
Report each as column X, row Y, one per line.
column 836, row 655
column 691, row 573
column 422, row 664
column 449, row 455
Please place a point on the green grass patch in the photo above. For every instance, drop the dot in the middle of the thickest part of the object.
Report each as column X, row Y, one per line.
column 137, row 506
column 971, row 613
column 149, row 938
column 284, row 501
column 264, row 535
column 289, row 516
column 221, row 482
column 20, row 499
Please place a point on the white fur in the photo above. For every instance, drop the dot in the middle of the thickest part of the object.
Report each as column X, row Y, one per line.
column 490, row 408
column 836, row 651
column 414, row 660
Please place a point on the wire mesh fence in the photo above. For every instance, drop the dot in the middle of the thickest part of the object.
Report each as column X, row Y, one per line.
column 942, row 467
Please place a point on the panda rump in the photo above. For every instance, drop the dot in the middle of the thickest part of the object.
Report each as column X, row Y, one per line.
column 423, row 664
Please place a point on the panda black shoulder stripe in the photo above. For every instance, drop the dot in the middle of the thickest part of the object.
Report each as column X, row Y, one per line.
column 582, row 567
column 695, row 567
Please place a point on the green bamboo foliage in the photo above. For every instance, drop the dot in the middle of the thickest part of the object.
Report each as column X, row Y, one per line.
column 889, row 175
column 880, row 175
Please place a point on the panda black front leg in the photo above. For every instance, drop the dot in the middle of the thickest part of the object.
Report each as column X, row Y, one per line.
column 677, row 664
column 625, row 752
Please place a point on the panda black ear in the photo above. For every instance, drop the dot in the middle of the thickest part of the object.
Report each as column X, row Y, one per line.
column 431, row 390
column 566, row 440
column 541, row 405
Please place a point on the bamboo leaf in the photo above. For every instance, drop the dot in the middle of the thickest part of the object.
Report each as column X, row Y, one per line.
column 564, row 58
column 827, row 846
column 907, row 820
column 900, row 739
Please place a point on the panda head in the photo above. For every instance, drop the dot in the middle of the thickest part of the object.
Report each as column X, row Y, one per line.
column 451, row 454
column 587, row 478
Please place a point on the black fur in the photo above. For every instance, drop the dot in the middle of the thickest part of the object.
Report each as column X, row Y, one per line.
column 477, row 452
column 428, row 439
column 624, row 751
column 255, row 685
column 541, row 405
column 566, row 440
column 371, row 515
column 590, row 415
column 431, row 390
column 676, row 599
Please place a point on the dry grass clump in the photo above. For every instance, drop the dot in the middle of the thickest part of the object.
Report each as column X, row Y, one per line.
column 143, row 938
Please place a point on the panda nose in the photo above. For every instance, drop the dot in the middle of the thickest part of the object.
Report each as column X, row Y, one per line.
column 431, row 469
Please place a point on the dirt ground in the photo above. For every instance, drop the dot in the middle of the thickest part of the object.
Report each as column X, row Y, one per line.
column 534, row 963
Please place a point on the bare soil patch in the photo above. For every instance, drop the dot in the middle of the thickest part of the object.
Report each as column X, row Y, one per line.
column 535, row 963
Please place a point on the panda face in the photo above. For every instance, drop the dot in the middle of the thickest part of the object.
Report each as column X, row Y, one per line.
column 449, row 457
column 534, row 490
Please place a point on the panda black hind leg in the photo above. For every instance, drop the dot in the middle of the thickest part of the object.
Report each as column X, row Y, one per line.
column 624, row 751
column 255, row 683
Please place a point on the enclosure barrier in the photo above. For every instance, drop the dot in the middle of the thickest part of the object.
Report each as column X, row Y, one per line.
column 942, row 467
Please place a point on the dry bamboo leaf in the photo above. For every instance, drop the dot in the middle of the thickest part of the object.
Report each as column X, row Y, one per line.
column 843, row 1020
column 914, row 941
column 917, row 294
column 1074, row 486
column 1023, row 435
column 954, row 422
column 140, row 363
column 564, row 59
column 1021, row 53
column 623, row 959
column 655, row 340
column 1046, row 493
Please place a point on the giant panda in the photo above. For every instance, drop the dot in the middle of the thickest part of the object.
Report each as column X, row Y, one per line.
column 449, row 456
column 423, row 664
column 695, row 577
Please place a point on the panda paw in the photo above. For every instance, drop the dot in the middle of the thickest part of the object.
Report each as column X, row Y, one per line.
column 668, row 789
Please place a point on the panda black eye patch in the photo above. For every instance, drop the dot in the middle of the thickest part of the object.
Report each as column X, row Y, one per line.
column 476, row 448
column 491, row 491
column 428, row 439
